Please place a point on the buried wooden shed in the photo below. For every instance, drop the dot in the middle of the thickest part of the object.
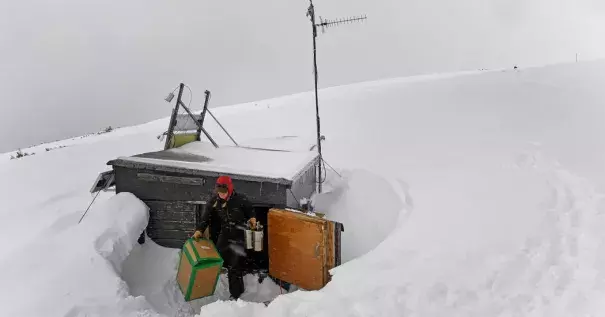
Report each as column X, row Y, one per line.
column 176, row 183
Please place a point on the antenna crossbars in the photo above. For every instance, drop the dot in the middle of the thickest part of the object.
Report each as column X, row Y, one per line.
column 328, row 23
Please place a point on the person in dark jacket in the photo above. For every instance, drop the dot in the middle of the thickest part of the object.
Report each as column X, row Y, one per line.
column 228, row 213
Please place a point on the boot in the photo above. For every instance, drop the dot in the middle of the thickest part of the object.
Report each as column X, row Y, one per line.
column 236, row 283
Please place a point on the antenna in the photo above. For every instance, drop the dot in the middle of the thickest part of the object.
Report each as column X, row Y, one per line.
column 324, row 24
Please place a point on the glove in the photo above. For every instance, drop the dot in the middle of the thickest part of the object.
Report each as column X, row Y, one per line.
column 197, row 235
column 252, row 222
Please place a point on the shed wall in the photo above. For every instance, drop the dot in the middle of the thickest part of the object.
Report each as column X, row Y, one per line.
column 174, row 198
column 302, row 187
column 166, row 186
column 171, row 223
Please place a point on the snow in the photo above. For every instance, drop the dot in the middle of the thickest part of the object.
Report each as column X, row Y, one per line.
column 156, row 282
column 75, row 269
column 475, row 194
column 354, row 201
column 239, row 160
column 290, row 143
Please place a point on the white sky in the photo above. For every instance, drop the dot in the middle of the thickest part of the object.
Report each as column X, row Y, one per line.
column 69, row 67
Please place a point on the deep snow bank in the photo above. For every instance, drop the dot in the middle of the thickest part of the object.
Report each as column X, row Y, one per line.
column 150, row 271
column 558, row 270
column 74, row 271
column 368, row 204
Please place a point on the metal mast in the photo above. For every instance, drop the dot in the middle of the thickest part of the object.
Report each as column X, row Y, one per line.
column 323, row 24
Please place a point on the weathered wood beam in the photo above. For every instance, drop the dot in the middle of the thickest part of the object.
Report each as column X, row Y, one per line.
column 171, row 179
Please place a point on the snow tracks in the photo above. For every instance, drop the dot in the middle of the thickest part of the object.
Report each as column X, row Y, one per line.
column 559, row 272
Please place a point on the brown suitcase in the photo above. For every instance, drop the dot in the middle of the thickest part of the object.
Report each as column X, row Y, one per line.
column 302, row 248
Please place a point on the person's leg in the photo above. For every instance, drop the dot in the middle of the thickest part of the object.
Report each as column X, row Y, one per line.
column 235, row 275
column 236, row 283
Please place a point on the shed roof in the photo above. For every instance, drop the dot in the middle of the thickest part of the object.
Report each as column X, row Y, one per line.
column 280, row 161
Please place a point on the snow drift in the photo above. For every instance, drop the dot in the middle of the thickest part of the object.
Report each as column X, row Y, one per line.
column 75, row 270
column 475, row 194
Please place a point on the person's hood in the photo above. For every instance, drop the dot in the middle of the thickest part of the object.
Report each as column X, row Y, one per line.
column 226, row 180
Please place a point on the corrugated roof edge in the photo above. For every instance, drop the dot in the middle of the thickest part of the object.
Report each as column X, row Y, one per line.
column 304, row 169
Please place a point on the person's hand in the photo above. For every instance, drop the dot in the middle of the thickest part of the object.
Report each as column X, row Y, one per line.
column 197, row 235
column 252, row 222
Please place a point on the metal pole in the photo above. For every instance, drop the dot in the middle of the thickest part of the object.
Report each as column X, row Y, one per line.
column 220, row 125
column 93, row 200
column 312, row 13
column 203, row 115
column 199, row 126
column 173, row 118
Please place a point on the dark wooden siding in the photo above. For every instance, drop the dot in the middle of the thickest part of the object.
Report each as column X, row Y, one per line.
column 154, row 185
column 171, row 223
column 138, row 182
column 173, row 199
column 338, row 229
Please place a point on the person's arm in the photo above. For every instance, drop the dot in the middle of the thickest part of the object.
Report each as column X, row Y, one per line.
column 203, row 218
column 249, row 211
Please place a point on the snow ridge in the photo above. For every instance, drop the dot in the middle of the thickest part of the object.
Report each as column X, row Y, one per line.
column 75, row 271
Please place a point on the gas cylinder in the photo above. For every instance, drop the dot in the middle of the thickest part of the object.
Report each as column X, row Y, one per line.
column 249, row 239
column 258, row 237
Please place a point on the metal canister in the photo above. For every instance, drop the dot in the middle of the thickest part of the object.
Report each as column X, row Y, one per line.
column 249, row 239
column 258, row 240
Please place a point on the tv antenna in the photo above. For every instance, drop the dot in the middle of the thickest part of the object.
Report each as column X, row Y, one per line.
column 324, row 24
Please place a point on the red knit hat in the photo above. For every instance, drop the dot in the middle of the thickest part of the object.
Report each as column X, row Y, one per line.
column 225, row 181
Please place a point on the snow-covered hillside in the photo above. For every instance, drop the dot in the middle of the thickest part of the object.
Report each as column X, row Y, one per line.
column 475, row 194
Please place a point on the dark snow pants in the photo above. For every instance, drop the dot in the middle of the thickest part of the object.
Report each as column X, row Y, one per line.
column 236, row 282
column 233, row 254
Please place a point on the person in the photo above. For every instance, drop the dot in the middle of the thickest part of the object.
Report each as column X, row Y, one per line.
column 227, row 213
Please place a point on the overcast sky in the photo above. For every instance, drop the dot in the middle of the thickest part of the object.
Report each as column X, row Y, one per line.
column 69, row 67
